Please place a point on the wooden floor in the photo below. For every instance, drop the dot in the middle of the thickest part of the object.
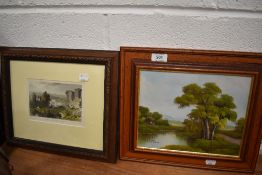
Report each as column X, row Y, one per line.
column 27, row 162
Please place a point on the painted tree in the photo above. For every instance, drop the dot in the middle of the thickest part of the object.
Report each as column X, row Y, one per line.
column 240, row 125
column 144, row 115
column 224, row 112
column 211, row 108
column 151, row 118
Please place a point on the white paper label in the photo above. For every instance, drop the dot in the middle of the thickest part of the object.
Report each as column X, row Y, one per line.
column 211, row 162
column 83, row 77
column 159, row 57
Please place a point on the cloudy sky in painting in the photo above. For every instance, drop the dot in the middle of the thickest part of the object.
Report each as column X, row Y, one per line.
column 52, row 87
column 159, row 89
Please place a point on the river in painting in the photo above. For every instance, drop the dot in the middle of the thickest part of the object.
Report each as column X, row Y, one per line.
column 160, row 140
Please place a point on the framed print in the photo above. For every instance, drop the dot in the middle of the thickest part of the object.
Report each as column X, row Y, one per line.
column 59, row 100
column 191, row 108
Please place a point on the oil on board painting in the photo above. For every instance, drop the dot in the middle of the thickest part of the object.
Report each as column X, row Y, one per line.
column 192, row 112
column 55, row 100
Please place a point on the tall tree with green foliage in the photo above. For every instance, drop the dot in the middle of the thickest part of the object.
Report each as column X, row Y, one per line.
column 240, row 125
column 212, row 109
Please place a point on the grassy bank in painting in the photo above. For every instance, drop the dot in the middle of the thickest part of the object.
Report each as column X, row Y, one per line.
column 216, row 146
column 197, row 144
column 152, row 124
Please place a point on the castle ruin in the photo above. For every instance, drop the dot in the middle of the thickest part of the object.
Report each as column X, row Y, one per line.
column 74, row 97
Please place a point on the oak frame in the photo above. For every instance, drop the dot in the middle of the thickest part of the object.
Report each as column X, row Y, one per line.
column 107, row 58
column 133, row 59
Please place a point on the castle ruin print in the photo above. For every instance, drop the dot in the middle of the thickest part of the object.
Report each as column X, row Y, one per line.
column 56, row 100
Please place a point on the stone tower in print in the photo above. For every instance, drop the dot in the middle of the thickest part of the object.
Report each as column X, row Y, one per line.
column 74, row 97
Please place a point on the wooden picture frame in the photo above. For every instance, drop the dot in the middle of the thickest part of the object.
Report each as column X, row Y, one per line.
column 61, row 100
column 1, row 127
column 191, row 108
column 1, row 114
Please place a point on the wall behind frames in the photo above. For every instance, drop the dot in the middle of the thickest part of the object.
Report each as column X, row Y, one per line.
column 107, row 25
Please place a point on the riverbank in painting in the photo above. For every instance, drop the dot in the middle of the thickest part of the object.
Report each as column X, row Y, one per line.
column 159, row 133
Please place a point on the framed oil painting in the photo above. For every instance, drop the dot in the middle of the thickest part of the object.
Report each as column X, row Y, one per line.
column 191, row 108
column 61, row 100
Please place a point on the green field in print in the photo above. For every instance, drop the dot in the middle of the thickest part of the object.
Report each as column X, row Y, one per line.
column 192, row 112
